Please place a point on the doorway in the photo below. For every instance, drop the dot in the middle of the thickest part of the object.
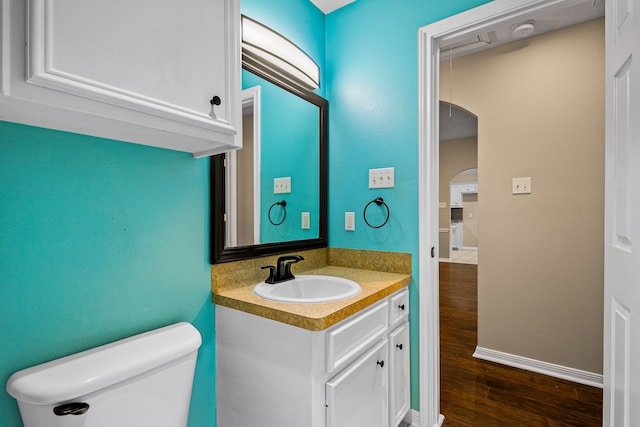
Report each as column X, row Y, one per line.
column 446, row 33
column 458, row 185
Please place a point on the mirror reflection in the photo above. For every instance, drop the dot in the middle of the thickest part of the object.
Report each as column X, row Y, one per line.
column 275, row 178
column 271, row 196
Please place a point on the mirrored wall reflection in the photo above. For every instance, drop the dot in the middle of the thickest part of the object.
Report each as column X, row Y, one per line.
column 271, row 196
column 282, row 144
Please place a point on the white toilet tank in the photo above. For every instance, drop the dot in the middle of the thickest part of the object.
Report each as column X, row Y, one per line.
column 141, row 381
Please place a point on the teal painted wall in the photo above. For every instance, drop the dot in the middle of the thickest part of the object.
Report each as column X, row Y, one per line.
column 372, row 87
column 102, row 239
column 99, row 240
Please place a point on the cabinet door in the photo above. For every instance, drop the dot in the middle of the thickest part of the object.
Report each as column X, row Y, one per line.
column 358, row 396
column 400, row 377
column 456, row 197
column 469, row 187
column 141, row 71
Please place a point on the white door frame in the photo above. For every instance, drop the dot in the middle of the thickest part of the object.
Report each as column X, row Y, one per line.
column 443, row 33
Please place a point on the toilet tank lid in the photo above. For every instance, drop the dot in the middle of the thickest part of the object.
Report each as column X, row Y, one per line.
column 83, row 373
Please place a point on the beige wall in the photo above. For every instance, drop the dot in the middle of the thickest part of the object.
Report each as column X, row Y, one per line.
column 456, row 155
column 470, row 220
column 540, row 108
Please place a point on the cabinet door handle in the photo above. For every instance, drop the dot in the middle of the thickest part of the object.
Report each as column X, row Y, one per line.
column 401, row 307
column 215, row 100
column 380, row 363
column 399, row 346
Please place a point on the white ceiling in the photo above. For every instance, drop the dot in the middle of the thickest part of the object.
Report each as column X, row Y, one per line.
column 328, row 6
column 543, row 23
column 456, row 123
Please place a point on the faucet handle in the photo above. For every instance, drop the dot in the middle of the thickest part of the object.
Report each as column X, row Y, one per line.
column 292, row 258
column 272, row 273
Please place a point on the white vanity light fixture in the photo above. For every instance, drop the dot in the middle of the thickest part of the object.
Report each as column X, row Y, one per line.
column 266, row 50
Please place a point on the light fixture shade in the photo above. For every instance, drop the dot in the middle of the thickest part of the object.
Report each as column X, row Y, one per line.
column 270, row 52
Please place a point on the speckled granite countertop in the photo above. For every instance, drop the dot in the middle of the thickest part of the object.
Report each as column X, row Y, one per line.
column 376, row 285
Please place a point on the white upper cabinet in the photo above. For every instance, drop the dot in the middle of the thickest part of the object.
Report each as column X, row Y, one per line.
column 143, row 71
column 455, row 200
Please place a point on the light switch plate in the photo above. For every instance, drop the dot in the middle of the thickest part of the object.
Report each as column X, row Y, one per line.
column 282, row 185
column 306, row 220
column 521, row 185
column 382, row 178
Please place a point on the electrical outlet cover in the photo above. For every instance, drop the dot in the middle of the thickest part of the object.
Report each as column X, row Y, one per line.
column 350, row 221
column 306, row 220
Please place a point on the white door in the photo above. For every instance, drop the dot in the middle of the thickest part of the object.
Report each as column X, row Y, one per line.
column 622, row 201
column 358, row 396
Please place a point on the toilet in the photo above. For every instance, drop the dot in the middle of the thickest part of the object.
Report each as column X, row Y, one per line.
column 144, row 380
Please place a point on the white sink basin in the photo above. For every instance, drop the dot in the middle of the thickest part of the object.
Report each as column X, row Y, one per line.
column 308, row 289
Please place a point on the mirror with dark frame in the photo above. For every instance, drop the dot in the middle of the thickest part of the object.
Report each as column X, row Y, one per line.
column 293, row 144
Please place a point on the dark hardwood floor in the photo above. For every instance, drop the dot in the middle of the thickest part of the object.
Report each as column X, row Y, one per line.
column 479, row 393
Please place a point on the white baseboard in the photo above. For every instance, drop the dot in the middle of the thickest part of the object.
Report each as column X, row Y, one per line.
column 546, row 368
column 444, row 260
column 412, row 418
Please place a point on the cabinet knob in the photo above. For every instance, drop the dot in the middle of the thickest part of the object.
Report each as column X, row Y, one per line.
column 215, row 100
column 399, row 346
column 401, row 307
column 380, row 363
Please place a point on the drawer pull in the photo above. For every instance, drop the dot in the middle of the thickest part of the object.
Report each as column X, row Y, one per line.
column 399, row 346
column 401, row 307
column 380, row 363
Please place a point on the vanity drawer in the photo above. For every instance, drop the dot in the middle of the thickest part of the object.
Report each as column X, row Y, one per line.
column 399, row 307
column 346, row 341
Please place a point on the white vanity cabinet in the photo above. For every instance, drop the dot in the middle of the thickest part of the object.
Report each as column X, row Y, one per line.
column 399, row 358
column 159, row 73
column 271, row 374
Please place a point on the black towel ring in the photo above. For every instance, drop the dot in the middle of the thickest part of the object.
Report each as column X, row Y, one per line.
column 378, row 201
column 284, row 208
